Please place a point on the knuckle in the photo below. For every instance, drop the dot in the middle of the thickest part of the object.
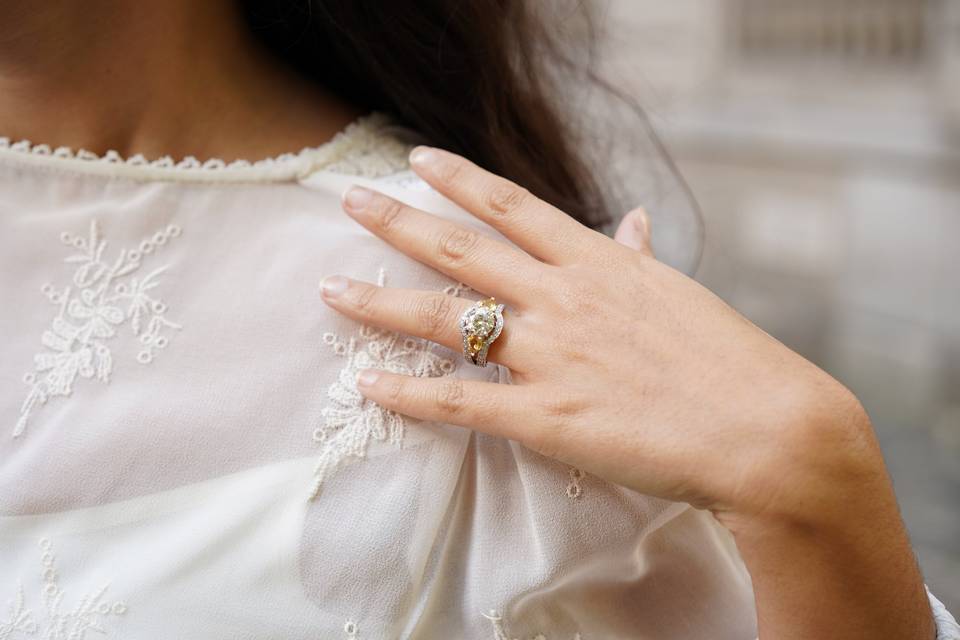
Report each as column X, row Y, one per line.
column 562, row 409
column 433, row 313
column 579, row 298
column 396, row 389
column 456, row 245
column 566, row 294
column 449, row 172
column 450, row 396
column 506, row 198
column 390, row 213
column 588, row 305
column 365, row 299
column 573, row 352
column 559, row 418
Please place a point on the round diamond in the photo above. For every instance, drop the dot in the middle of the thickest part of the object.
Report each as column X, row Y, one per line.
column 480, row 321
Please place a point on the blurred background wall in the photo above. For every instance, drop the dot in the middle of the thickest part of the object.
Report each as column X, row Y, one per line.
column 822, row 140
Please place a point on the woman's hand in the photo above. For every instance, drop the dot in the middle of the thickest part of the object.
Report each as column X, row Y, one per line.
column 622, row 366
column 635, row 373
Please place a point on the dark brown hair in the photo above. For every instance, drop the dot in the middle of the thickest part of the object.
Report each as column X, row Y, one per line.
column 472, row 76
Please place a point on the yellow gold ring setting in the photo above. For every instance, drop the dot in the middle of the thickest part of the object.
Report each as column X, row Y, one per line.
column 480, row 325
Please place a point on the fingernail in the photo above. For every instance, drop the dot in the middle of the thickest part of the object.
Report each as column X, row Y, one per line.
column 423, row 157
column 357, row 198
column 367, row 377
column 641, row 221
column 333, row 286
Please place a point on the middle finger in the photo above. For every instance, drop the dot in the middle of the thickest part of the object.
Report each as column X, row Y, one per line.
column 466, row 255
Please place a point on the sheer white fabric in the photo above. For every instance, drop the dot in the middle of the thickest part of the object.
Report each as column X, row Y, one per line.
column 186, row 455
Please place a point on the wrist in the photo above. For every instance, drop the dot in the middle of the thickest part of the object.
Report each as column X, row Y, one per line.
column 827, row 536
column 820, row 460
column 851, row 578
column 853, row 582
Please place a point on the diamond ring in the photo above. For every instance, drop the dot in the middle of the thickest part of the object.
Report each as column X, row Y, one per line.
column 480, row 325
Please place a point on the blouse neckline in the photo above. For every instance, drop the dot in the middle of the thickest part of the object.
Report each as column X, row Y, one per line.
column 371, row 146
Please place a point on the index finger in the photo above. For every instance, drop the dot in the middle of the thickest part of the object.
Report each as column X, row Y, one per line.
column 535, row 226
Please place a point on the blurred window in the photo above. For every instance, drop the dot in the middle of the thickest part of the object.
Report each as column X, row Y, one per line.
column 853, row 31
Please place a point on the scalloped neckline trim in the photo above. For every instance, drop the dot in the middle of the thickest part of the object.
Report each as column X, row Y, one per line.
column 370, row 146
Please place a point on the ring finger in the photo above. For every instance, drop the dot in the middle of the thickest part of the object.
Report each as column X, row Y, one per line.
column 430, row 315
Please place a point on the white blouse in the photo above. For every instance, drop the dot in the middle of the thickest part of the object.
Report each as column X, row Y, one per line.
column 187, row 456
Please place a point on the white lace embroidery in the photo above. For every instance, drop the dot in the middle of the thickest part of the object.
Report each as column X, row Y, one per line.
column 350, row 420
column 54, row 620
column 574, row 490
column 103, row 295
column 456, row 289
column 351, row 628
column 366, row 147
column 499, row 634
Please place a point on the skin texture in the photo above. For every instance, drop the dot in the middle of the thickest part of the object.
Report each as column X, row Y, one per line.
column 665, row 389
column 178, row 78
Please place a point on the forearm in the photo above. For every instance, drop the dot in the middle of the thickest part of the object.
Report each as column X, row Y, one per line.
column 823, row 584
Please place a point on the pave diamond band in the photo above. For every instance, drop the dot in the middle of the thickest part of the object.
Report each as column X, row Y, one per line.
column 480, row 325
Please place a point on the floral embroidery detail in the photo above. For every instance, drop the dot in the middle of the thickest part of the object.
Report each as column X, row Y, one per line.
column 574, row 490
column 103, row 296
column 350, row 420
column 456, row 289
column 18, row 619
column 351, row 628
column 54, row 620
column 499, row 634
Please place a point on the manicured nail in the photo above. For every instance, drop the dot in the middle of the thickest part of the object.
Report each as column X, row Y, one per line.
column 641, row 221
column 367, row 377
column 333, row 286
column 357, row 198
column 423, row 157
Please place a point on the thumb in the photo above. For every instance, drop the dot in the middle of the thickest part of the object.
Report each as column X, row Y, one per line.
column 634, row 231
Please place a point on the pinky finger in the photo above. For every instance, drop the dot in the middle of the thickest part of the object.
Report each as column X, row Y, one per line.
column 496, row 409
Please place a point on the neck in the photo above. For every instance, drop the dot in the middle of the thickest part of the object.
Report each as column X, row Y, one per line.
column 175, row 78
